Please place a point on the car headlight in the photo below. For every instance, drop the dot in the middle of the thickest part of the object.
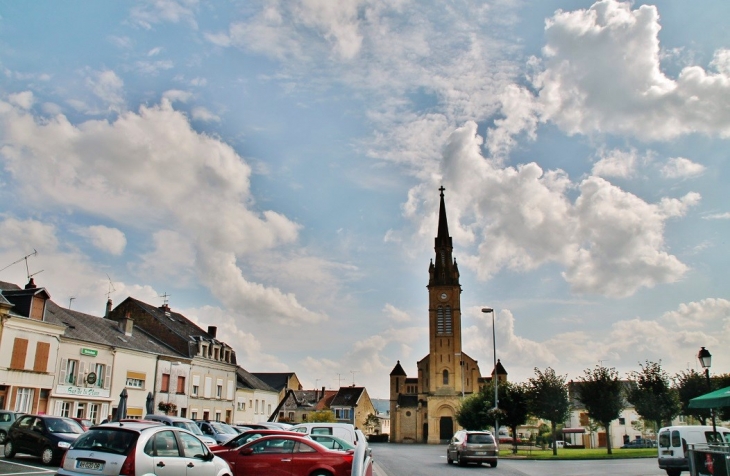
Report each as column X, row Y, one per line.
column 64, row 444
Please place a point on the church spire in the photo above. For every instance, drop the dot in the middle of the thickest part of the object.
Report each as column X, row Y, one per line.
column 443, row 270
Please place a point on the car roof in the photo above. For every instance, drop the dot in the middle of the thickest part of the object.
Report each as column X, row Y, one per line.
column 135, row 425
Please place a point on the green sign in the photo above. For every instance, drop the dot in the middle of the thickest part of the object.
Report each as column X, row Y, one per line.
column 91, row 352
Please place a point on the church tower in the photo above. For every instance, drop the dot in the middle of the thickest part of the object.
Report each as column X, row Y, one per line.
column 444, row 312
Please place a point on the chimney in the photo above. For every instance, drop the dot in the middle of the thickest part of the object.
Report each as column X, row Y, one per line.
column 126, row 325
column 212, row 330
column 108, row 308
column 31, row 284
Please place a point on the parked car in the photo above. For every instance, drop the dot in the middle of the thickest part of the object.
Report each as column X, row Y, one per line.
column 184, row 423
column 472, row 447
column 247, row 436
column 84, row 422
column 332, row 442
column 42, row 435
column 7, row 418
column 143, row 449
column 639, row 443
column 294, row 455
column 346, row 431
column 219, row 431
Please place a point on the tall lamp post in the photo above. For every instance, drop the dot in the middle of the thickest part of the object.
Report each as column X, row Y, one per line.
column 496, row 379
column 706, row 360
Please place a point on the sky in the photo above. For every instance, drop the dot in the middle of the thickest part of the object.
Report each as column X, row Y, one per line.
column 272, row 167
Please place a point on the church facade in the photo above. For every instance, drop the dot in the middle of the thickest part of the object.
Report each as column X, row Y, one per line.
column 423, row 408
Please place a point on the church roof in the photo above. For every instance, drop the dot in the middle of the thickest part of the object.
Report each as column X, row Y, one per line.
column 397, row 370
column 500, row 369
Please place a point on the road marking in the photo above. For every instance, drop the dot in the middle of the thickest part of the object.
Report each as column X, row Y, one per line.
column 40, row 470
column 377, row 471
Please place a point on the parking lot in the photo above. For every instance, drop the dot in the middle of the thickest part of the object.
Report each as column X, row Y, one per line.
column 24, row 465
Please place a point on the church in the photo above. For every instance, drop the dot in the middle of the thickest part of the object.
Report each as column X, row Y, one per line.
column 423, row 409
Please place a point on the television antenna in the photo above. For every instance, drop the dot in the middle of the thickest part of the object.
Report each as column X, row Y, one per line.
column 111, row 288
column 164, row 297
column 70, row 300
column 25, row 258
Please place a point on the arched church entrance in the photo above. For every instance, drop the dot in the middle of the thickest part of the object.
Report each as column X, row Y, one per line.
column 446, row 428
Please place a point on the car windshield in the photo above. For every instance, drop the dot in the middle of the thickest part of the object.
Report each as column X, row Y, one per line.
column 59, row 425
column 223, row 428
column 479, row 438
column 188, row 425
column 106, row 440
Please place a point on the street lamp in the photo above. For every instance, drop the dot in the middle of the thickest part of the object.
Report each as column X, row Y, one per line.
column 706, row 361
column 496, row 380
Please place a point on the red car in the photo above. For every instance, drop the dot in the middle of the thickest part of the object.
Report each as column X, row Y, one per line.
column 285, row 454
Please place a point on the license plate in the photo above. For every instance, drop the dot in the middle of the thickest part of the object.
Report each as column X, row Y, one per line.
column 480, row 453
column 89, row 465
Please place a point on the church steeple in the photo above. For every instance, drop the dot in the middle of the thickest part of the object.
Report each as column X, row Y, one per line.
column 444, row 271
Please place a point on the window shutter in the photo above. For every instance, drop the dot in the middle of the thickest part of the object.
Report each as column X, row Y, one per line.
column 58, row 408
column 81, row 374
column 107, row 378
column 208, row 385
column 104, row 411
column 230, row 390
column 62, row 372
column 42, row 350
column 20, row 350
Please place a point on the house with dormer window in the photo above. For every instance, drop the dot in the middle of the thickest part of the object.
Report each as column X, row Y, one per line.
column 206, row 373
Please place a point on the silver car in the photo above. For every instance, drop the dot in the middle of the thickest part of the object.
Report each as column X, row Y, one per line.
column 473, row 447
column 141, row 448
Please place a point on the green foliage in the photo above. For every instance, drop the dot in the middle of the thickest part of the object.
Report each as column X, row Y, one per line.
column 601, row 391
column 322, row 416
column 515, row 404
column 651, row 394
column 548, row 397
column 690, row 384
column 472, row 414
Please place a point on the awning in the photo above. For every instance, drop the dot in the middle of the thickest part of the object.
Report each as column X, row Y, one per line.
column 574, row 430
column 717, row 399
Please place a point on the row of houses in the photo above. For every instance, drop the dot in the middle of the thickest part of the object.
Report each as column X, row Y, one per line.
column 65, row 362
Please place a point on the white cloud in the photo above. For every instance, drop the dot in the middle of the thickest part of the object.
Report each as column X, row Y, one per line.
column 717, row 216
column 174, row 95
column 32, row 233
column 626, row 92
column 106, row 239
column 153, row 68
column 616, row 163
column 150, row 12
column 198, row 185
column 202, row 114
column 107, row 86
column 697, row 313
column 395, row 314
column 679, row 167
column 24, row 99
column 609, row 241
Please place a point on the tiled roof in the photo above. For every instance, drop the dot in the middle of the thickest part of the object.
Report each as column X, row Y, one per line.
column 248, row 380
column 397, row 370
column 347, row 397
column 277, row 381
column 174, row 321
column 325, row 402
column 97, row 330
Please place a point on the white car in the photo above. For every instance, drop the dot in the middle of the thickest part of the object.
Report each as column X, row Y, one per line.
column 142, row 449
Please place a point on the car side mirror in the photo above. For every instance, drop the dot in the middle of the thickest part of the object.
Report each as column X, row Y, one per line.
column 207, row 456
column 246, row 451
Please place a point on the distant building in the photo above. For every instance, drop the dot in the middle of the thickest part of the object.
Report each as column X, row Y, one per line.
column 280, row 381
column 423, row 408
column 255, row 399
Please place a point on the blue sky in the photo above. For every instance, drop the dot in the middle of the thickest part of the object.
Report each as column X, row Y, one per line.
column 273, row 166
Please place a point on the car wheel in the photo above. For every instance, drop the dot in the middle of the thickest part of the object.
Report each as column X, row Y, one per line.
column 448, row 458
column 493, row 464
column 3, row 435
column 9, row 449
column 460, row 461
column 47, row 455
column 674, row 472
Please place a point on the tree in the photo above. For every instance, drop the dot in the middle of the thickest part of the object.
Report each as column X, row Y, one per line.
column 472, row 414
column 322, row 416
column 691, row 384
column 651, row 394
column 515, row 404
column 548, row 395
column 601, row 391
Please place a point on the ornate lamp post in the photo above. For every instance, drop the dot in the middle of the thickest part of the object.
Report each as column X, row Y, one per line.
column 496, row 379
column 706, row 361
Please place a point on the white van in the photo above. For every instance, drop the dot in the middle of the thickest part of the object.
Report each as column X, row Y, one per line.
column 673, row 441
column 346, row 431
